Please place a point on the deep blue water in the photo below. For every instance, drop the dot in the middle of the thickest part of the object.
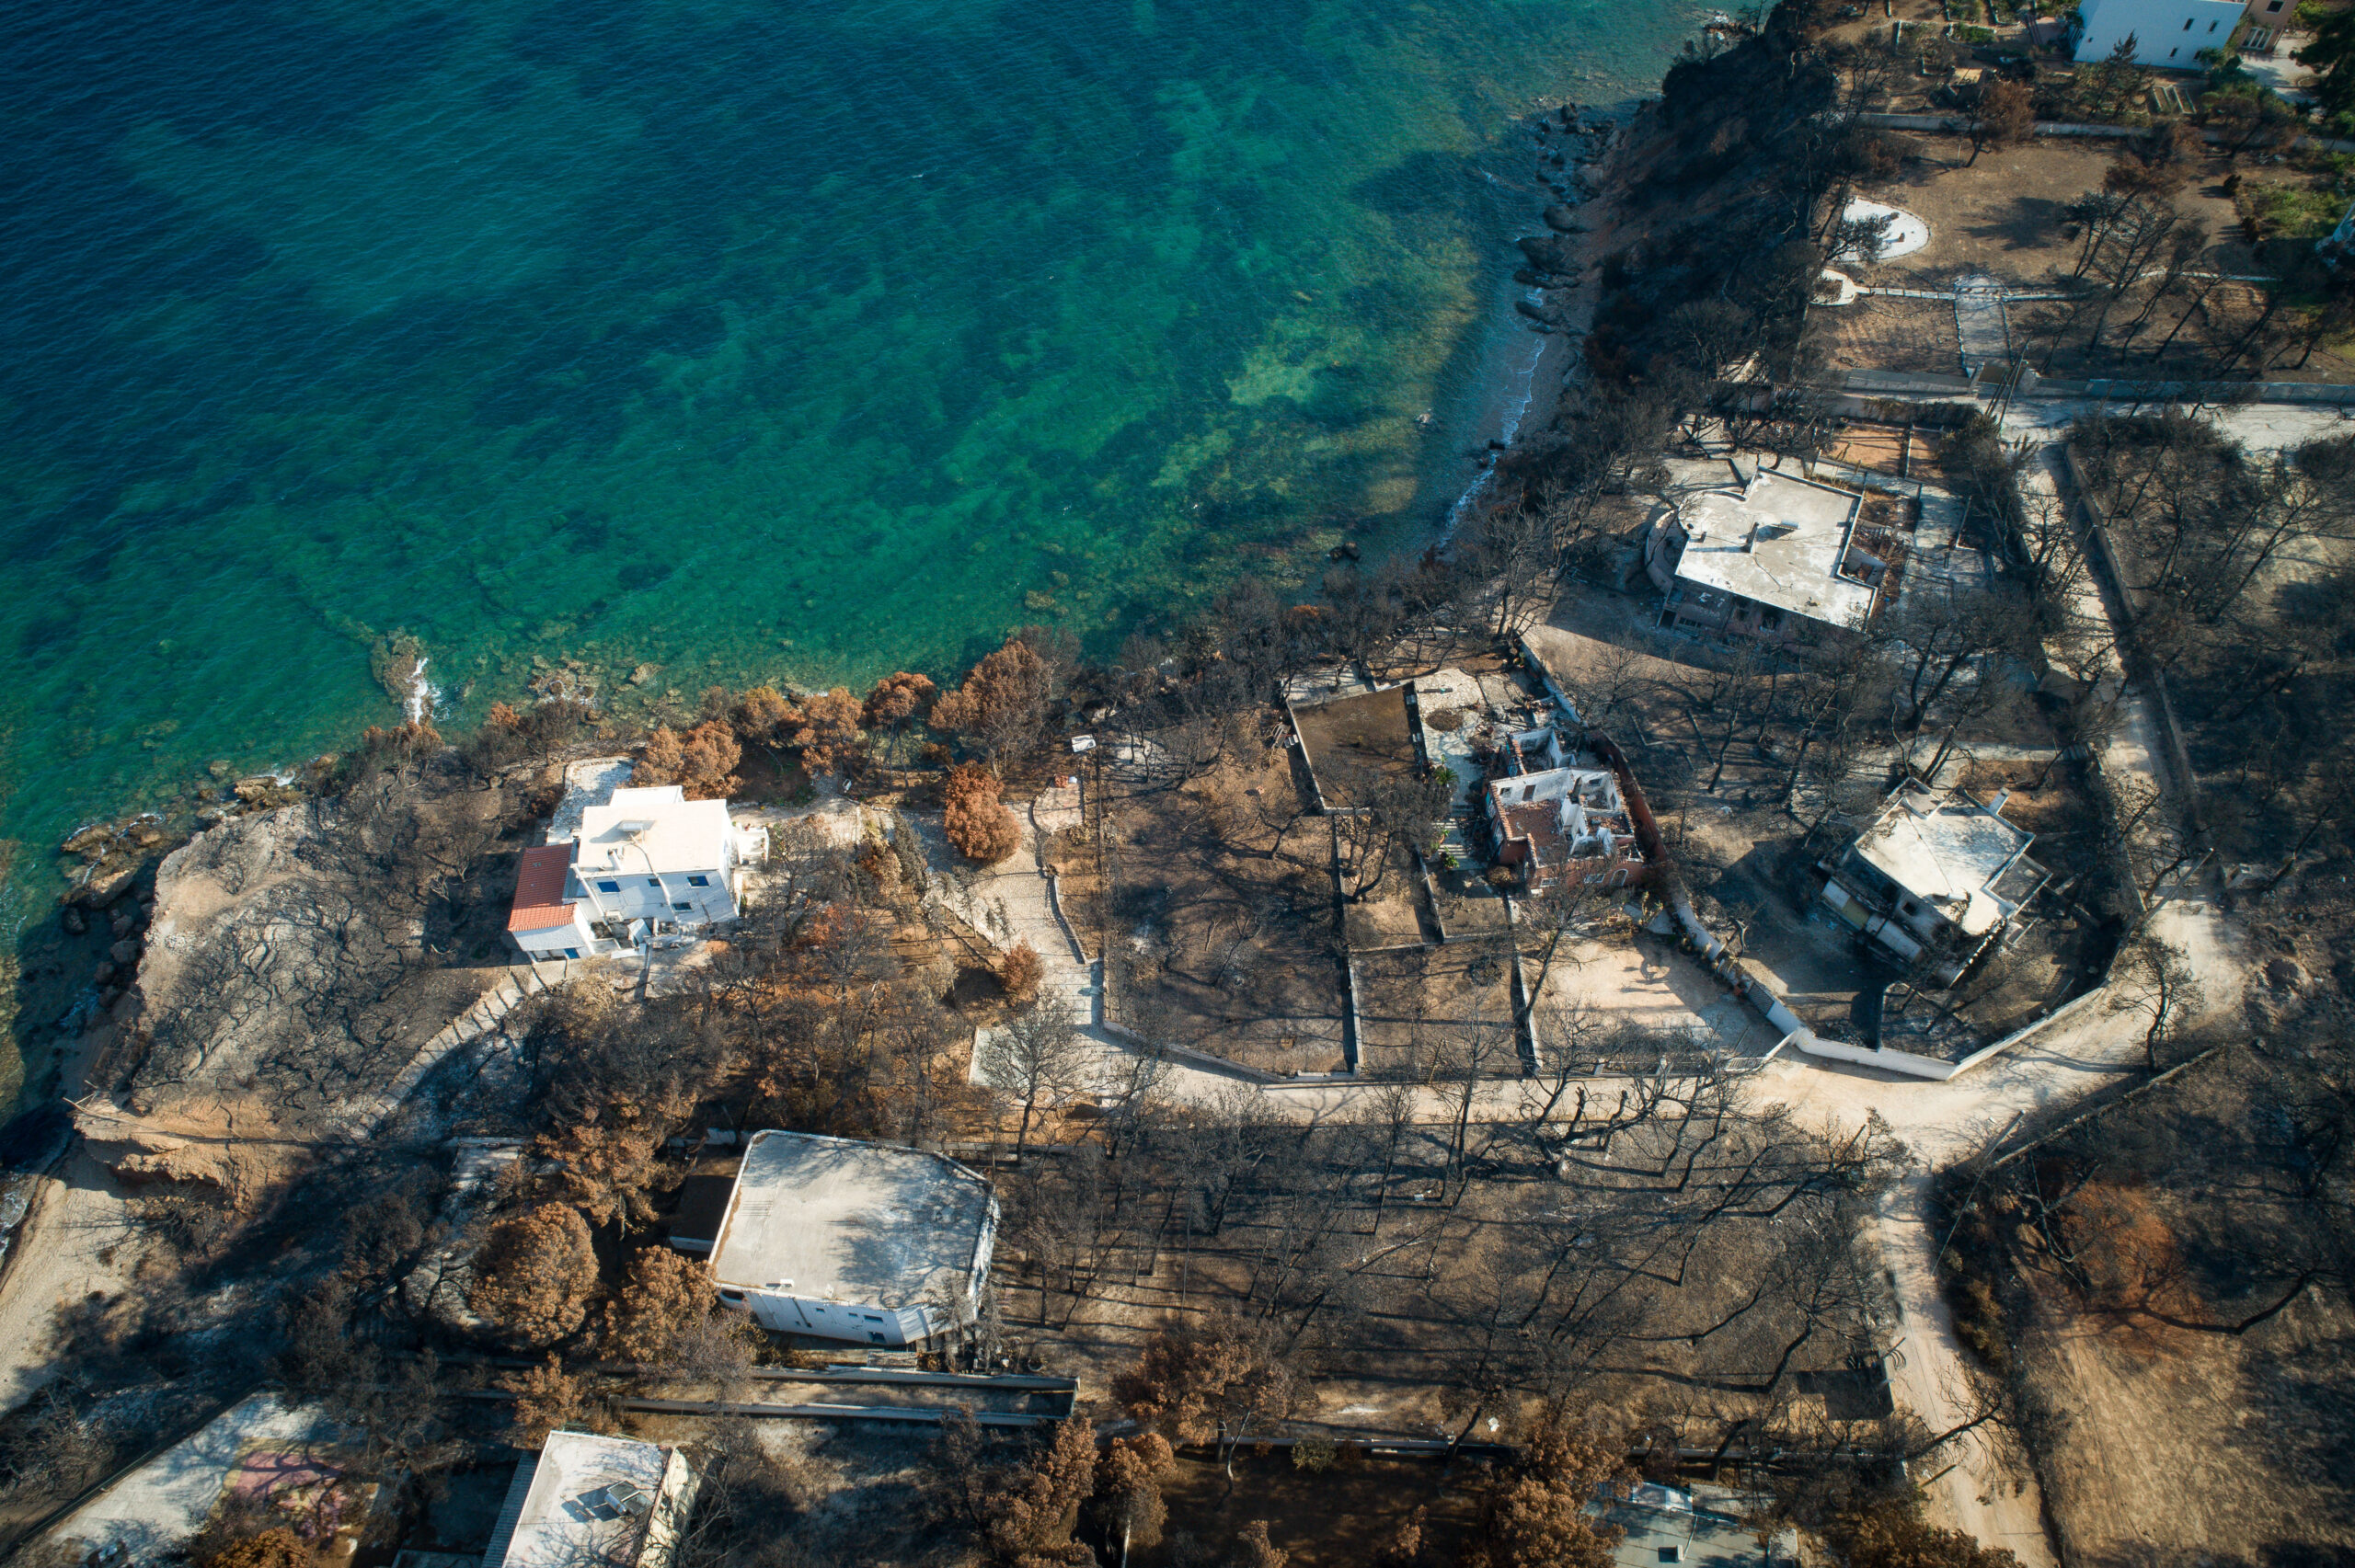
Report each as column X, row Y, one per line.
column 778, row 340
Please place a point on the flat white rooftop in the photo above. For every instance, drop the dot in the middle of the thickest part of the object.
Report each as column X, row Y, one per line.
column 590, row 1500
column 1952, row 852
column 640, row 832
column 830, row 1218
column 1777, row 542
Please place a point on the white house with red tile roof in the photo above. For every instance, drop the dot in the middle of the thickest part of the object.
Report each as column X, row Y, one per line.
column 649, row 855
column 543, row 923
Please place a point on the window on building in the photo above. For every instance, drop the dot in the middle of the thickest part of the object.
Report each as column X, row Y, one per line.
column 2187, row 23
column 698, row 881
column 654, row 882
column 683, row 906
column 609, row 887
column 2211, row 27
column 874, row 1337
column 572, row 952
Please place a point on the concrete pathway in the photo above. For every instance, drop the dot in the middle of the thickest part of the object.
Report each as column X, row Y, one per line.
column 1980, row 321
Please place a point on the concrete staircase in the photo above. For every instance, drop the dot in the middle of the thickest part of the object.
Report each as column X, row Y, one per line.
column 521, row 982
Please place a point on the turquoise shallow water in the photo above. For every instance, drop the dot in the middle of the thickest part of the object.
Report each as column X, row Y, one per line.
column 771, row 338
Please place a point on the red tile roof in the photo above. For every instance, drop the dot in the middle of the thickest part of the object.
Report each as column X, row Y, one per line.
column 539, row 889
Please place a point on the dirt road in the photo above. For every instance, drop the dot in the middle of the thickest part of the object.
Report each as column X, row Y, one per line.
column 76, row 1242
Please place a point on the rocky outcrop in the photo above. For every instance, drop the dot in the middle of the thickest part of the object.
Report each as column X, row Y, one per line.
column 140, row 1155
column 1551, row 253
column 287, row 971
column 110, row 856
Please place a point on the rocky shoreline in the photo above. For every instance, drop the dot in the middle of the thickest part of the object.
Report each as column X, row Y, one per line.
column 1575, row 150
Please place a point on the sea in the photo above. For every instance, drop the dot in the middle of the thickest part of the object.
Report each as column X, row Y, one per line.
column 696, row 342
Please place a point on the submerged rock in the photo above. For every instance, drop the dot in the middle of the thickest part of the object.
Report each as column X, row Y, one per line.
column 94, row 838
column 1549, row 254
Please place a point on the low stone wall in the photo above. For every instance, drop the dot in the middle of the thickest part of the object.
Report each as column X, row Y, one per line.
column 1955, row 125
column 2110, row 560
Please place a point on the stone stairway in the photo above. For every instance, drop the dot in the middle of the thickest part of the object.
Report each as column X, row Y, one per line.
column 489, row 1012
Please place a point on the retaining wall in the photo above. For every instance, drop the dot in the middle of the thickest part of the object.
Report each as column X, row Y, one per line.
column 2110, row 560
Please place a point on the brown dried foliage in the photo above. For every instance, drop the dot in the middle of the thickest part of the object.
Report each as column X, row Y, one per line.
column 702, row 760
column 604, row 1161
column 1019, row 972
column 280, row 1548
column 1538, row 1517
column 979, row 825
column 663, row 1296
column 547, row 1397
column 826, row 732
column 1027, row 1522
column 1002, row 707
column 535, row 1273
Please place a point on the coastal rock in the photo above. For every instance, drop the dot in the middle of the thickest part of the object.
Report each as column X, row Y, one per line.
column 644, row 673
column 105, row 885
column 263, row 792
column 103, row 973
column 1549, row 252
column 92, row 840
column 1564, row 221
column 571, row 684
column 124, row 952
column 74, row 922
column 139, row 1155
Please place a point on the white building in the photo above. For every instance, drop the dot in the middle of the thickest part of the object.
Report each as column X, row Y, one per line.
column 586, row 1500
column 548, row 920
column 1941, row 877
column 1781, row 559
column 2168, row 34
column 862, row 1241
column 649, row 855
column 1697, row 1527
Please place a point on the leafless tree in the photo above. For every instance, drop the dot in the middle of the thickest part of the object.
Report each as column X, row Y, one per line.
column 2154, row 977
column 1037, row 1059
column 1387, row 813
